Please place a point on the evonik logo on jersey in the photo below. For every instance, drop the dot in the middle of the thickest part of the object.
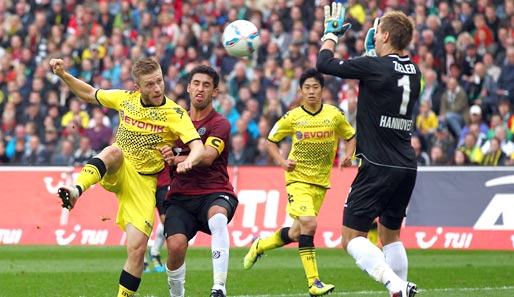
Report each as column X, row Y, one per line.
column 314, row 134
column 140, row 124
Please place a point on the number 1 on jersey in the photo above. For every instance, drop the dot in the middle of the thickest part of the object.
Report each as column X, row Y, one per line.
column 404, row 83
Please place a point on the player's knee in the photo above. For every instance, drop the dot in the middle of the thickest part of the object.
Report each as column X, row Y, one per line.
column 111, row 154
column 176, row 246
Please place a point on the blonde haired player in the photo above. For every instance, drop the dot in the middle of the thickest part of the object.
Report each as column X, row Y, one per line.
column 148, row 122
column 389, row 86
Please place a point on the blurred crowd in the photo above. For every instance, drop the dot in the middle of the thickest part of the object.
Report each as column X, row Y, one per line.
column 465, row 50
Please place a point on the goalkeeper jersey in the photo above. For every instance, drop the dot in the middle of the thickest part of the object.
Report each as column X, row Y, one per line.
column 315, row 137
column 144, row 129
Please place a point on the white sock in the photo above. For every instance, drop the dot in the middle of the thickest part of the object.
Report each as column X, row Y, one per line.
column 159, row 240
column 396, row 257
column 371, row 259
column 176, row 281
column 220, row 244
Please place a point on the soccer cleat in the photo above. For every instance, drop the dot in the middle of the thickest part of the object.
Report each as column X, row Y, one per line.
column 410, row 290
column 252, row 256
column 157, row 264
column 318, row 288
column 217, row 293
column 69, row 196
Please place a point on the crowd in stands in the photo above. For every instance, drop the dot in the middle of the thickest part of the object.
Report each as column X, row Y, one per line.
column 465, row 50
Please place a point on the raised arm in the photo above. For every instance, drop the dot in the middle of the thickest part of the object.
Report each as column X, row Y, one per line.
column 80, row 88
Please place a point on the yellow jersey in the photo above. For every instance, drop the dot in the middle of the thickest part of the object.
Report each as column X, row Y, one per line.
column 314, row 142
column 144, row 129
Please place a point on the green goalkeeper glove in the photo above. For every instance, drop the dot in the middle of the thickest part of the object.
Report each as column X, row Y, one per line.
column 369, row 41
column 335, row 27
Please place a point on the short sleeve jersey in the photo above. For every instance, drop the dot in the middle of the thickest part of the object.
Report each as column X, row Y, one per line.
column 315, row 138
column 144, row 129
column 388, row 88
column 214, row 131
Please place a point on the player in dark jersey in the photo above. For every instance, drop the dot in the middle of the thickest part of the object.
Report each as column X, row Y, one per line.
column 202, row 199
column 148, row 122
column 389, row 86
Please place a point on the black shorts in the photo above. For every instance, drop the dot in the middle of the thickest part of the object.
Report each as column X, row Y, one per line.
column 378, row 191
column 160, row 196
column 187, row 214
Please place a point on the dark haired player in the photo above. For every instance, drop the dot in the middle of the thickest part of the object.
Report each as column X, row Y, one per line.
column 202, row 199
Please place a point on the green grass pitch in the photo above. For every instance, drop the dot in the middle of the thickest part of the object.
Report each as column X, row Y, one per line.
column 52, row 271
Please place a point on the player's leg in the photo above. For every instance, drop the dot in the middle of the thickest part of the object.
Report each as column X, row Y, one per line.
column 305, row 203
column 108, row 161
column 155, row 251
column 394, row 251
column 359, row 213
column 390, row 223
column 130, row 277
column 259, row 245
column 221, row 208
column 136, row 199
column 180, row 226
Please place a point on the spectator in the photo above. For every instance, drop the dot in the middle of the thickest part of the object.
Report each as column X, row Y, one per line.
column 506, row 145
column 495, row 156
column 75, row 114
column 63, row 156
column 471, row 149
column 437, row 156
column 262, row 157
column 426, row 123
column 35, row 154
column 431, row 91
column 50, row 140
column 240, row 154
column 422, row 157
column 99, row 134
column 496, row 120
column 454, row 107
column 13, row 142
column 475, row 117
column 460, row 158
column 84, row 152
column 481, row 89
column 506, row 80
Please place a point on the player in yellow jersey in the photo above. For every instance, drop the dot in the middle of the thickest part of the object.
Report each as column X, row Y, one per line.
column 148, row 122
column 315, row 129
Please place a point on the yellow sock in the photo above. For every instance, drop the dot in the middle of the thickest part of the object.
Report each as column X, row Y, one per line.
column 272, row 242
column 308, row 256
column 89, row 176
column 124, row 292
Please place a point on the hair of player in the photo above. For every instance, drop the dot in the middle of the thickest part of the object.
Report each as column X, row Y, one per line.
column 400, row 29
column 312, row 72
column 144, row 66
column 205, row 70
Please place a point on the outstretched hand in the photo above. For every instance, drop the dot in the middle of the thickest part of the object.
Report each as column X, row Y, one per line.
column 335, row 27
column 369, row 41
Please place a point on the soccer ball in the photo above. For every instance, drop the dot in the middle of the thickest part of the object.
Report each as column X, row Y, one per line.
column 241, row 38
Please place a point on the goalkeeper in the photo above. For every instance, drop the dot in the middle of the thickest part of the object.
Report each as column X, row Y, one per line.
column 388, row 88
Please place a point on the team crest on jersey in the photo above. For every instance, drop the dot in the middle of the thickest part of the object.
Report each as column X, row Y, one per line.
column 299, row 135
column 202, row 131
column 153, row 114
